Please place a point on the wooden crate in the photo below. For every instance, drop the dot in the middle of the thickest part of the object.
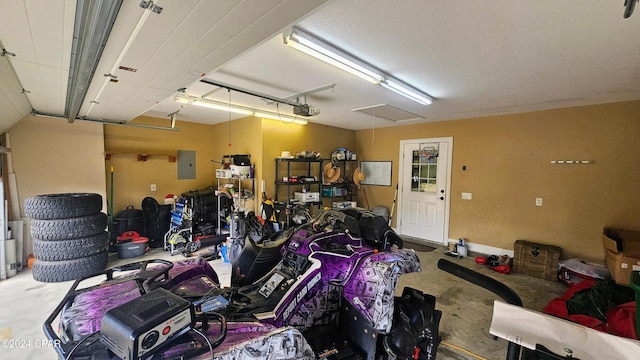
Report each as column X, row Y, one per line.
column 537, row 260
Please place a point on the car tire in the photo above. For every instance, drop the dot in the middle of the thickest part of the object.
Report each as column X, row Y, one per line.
column 62, row 206
column 70, row 228
column 71, row 248
column 57, row 271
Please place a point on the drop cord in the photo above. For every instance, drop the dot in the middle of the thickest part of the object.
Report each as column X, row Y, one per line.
column 78, row 345
column 463, row 350
column 207, row 340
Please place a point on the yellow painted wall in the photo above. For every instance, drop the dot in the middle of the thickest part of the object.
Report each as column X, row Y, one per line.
column 508, row 166
column 507, row 158
column 263, row 139
column 51, row 155
column 132, row 178
column 239, row 137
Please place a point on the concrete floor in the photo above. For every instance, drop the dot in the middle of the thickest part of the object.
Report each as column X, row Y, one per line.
column 467, row 308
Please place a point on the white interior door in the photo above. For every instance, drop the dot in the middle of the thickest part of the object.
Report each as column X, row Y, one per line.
column 423, row 189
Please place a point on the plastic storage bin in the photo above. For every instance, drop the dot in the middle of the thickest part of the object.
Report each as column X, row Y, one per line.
column 134, row 248
column 573, row 271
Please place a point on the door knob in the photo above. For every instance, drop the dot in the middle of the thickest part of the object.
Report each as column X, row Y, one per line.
column 441, row 197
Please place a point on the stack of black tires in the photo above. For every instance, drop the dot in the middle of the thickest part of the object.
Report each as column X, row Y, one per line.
column 70, row 237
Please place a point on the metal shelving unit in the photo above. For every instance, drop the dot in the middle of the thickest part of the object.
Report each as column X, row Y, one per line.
column 305, row 168
column 347, row 168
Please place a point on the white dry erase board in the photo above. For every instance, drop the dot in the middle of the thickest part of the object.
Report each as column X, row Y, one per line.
column 376, row 172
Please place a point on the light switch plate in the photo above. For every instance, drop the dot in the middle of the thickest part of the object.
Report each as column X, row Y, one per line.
column 466, row 196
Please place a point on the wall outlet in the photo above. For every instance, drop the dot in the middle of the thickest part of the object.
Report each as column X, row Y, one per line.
column 538, row 201
column 467, row 196
column 153, row 187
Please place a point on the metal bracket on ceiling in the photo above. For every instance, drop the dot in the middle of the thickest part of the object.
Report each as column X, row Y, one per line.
column 5, row 53
column 150, row 5
column 172, row 116
column 312, row 91
column 308, row 92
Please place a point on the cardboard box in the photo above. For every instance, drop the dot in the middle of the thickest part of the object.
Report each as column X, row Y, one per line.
column 533, row 259
column 622, row 253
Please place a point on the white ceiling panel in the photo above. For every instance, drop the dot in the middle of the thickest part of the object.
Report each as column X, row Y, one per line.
column 128, row 16
column 13, row 103
column 39, row 36
column 47, row 21
column 477, row 58
column 29, row 74
column 183, row 38
column 54, row 85
column 193, row 36
column 15, row 30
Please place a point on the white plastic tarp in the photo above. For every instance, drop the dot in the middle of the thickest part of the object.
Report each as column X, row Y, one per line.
column 528, row 328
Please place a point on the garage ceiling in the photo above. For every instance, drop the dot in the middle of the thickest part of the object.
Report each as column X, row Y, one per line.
column 475, row 58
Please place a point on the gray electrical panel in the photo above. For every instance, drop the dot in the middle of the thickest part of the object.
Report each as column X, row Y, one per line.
column 186, row 164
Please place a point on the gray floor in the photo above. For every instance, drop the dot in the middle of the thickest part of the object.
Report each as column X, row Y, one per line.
column 467, row 309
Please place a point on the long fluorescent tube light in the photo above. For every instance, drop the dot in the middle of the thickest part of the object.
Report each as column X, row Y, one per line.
column 211, row 104
column 283, row 118
column 320, row 49
column 217, row 105
column 407, row 92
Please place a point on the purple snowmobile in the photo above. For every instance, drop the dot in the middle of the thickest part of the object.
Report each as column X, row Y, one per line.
column 323, row 290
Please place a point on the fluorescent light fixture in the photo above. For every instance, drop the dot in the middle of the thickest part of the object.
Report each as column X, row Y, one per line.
column 217, row 105
column 211, row 104
column 406, row 91
column 93, row 23
column 283, row 118
column 320, row 49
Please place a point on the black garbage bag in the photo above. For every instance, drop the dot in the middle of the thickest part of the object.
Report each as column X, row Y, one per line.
column 258, row 231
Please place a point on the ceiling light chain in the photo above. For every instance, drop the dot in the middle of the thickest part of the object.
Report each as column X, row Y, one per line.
column 229, row 115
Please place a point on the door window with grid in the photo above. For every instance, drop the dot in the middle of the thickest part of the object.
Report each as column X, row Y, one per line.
column 424, row 169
